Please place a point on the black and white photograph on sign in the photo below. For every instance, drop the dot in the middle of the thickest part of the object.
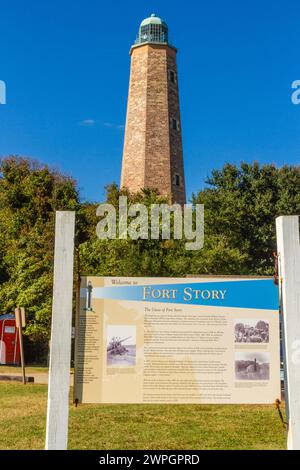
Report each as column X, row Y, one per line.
column 252, row 366
column 121, row 346
column 251, row 331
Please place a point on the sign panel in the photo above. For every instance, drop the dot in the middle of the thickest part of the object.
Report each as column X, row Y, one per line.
column 147, row 340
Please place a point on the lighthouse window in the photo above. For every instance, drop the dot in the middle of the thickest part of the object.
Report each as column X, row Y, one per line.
column 175, row 124
column 153, row 33
column 172, row 76
column 178, row 180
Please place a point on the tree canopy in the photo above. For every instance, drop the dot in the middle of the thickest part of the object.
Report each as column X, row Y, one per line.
column 30, row 193
column 241, row 204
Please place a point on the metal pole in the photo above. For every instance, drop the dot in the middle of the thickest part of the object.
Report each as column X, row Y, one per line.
column 77, row 320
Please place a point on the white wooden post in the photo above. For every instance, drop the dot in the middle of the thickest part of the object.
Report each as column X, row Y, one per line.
column 60, row 349
column 288, row 245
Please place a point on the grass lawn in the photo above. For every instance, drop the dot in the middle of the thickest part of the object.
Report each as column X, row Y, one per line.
column 167, row 427
column 18, row 370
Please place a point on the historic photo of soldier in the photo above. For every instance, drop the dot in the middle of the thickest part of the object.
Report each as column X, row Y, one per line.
column 121, row 346
column 252, row 366
column 251, row 331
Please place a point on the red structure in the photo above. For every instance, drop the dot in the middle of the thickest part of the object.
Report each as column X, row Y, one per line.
column 9, row 340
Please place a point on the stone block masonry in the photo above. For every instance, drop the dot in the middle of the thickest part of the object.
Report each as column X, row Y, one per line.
column 153, row 156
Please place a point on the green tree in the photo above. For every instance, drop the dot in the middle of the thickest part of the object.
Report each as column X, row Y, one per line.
column 30, row 193
column 155, row 257
column 241, row 205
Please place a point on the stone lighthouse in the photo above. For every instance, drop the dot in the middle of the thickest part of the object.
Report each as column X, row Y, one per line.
column 152, row 156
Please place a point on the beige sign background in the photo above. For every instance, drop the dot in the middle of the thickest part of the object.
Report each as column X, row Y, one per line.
column 135, row 351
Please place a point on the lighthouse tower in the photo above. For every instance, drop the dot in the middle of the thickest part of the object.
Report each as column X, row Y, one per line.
column 152, row 156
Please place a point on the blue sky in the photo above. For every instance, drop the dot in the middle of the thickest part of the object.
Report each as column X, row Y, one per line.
column 65, row 62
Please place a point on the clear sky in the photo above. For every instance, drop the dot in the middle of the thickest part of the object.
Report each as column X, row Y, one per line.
column 66, row 67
